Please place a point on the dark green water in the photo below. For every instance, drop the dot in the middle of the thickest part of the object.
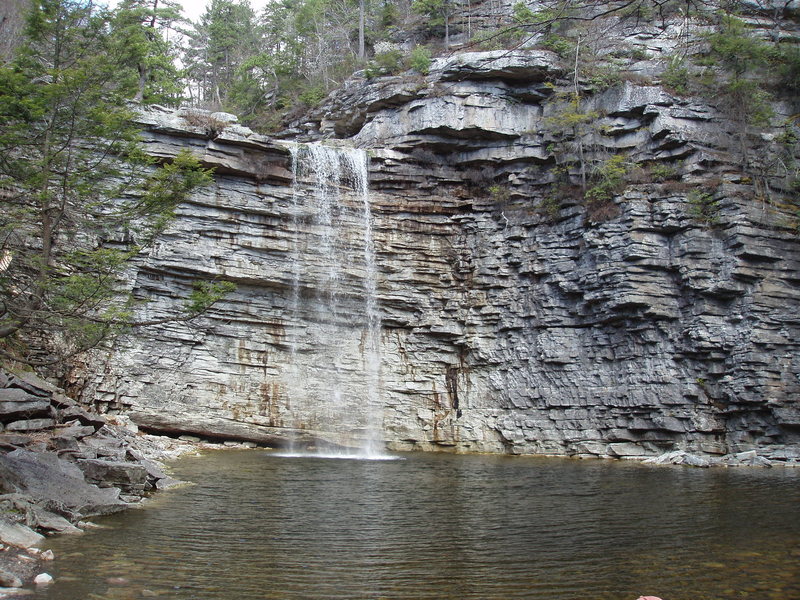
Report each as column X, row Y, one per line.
column 257, row 526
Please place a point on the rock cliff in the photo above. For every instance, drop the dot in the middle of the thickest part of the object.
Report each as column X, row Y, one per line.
column 519, row 312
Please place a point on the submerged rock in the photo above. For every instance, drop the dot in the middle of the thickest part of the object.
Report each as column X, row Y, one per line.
column 43, row 579
column 9, row 579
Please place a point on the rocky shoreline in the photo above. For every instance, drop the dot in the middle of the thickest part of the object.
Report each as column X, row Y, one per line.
column 61, row 465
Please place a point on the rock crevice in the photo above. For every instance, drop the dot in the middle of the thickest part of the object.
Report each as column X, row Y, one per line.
column 520, row 313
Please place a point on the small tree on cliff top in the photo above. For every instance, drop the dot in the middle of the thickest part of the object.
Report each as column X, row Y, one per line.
column 79, row 197
column 140, row 33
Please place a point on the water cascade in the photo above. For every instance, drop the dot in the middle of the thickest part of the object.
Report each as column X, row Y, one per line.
column 334, row 310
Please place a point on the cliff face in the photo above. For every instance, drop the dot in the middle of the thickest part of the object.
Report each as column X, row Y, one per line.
column 517, row 315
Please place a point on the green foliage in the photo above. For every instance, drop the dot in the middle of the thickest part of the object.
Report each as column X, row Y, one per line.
column 676, row 76
column 641, row 10
column 571, row 128
column 703, row 208
column 162, row 190
column 437, row 10
column 522, row 14
column 788, row 67
column 498, row 39
column 608, row 179
column 560, row 45
column 221, row 43
column 80, row 196
column 313, row 95
column 748, row 101
column 205, row 294
column 637, row 54
column 551, row 15
column 660, row 172
column 388, row 16
column 141, row 31
column 571, row 119
column 499, row 193
column 604, row 77
column 734, row 47
column 550, row 207
column 385, row 63
column 439, row 13
column 420, row 59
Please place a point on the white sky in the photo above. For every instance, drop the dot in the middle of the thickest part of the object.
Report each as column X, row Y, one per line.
column 192, row 9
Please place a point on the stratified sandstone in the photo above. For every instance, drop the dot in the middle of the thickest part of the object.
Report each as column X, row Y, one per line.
column 509, row 324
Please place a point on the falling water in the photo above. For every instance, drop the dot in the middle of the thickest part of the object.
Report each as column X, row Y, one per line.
column 293, row 371
column 334, row 372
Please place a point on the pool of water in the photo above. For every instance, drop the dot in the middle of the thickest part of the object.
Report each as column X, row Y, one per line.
column 258, row 526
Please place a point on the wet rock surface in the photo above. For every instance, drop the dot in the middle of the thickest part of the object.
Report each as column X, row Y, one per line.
column 514, row 319
column 64, row 466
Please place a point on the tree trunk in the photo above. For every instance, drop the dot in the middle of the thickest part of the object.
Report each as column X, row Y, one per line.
column 142, row 83
column 361, row 19
column 144, row 72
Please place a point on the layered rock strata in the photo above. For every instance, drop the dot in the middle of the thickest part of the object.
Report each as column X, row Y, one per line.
column 60, row 464
column 516, row 316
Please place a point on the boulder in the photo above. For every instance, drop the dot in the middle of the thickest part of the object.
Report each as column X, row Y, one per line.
column 14, row 440
column 74, row 431
column 518, row 65
column 749, row 458
column 17, row 395
column 32, row 384
column 24, row 409
column 129, row 477
column 695, row 461
column 47, row 521
column 62, row 401
column 58, row 484
column 168, row 482
column 97, row 446
column 9, row 580
column 65, row 444
column 154, row 470
column 31, row 425
column 17, row 534
column 679, row 457
column 85, row 417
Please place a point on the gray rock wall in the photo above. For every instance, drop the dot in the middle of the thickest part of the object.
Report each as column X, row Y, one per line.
column 515, row 317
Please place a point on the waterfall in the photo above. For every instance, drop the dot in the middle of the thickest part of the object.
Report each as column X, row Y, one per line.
column 333, row 376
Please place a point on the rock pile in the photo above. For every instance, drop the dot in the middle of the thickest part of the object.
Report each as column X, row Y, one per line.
column 739, row 459
column 60, row 465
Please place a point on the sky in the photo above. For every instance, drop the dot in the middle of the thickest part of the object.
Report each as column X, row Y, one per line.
column 192, row 9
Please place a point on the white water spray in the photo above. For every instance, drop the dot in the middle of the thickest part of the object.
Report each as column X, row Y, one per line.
column 334, row 309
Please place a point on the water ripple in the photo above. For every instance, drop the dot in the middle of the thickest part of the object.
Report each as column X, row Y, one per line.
column 260, row 526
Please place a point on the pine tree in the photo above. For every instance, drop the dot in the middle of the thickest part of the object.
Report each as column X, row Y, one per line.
column 142, row 35
column 224, row 39
column 79, row 196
